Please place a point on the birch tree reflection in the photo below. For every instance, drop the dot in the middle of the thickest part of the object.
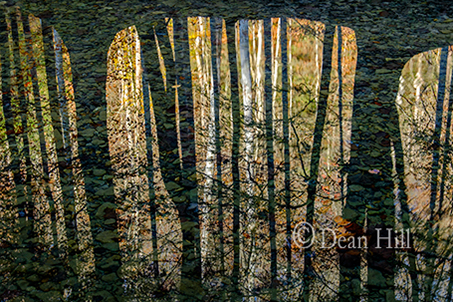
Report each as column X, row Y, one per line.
column 216, row 138
column 242, row 209
column 46, row 225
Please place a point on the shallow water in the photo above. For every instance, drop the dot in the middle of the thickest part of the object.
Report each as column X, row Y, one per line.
column 163, row 152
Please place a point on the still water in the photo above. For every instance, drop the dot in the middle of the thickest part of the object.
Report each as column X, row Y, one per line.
column 194, row 158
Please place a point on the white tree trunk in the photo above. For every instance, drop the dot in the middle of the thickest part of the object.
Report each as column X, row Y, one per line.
column 275, row 63
column 260, row 140
column 246, row 80
column 418, row 88
column 206, row 231
column 203, row 90
column 318, row 68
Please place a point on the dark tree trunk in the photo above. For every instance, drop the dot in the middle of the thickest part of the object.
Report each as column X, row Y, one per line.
column 148, row 39
column 287, row 160
column 445, row 154
column 270, row 152
column 436, row 166
column 231, row 34
column 188, row 210
column 316, row 152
